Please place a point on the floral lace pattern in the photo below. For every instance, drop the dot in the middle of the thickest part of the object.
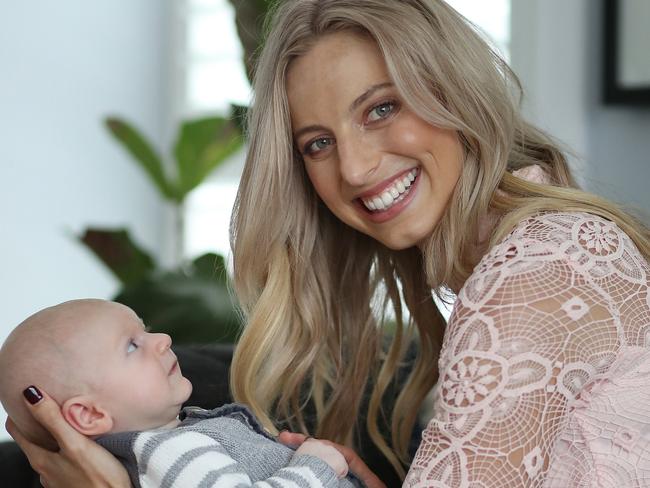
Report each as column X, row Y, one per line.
column 545, row 365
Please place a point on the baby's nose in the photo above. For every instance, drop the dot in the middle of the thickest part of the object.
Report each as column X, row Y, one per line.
column 162, row 342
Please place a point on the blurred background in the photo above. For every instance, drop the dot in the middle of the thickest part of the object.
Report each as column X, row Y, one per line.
column 150, row 65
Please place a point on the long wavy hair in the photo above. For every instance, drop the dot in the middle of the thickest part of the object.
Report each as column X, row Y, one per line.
column 314, row 291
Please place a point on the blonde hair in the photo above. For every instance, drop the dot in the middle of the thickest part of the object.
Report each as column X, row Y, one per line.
column 315, row 311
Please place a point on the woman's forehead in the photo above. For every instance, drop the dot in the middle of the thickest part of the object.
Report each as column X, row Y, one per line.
column 334, row 71
column 340, row 51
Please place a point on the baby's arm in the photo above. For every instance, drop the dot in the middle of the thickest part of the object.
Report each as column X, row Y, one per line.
column 326, row 453
column 192, row 459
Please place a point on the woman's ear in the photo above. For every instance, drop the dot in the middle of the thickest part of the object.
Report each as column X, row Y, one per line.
column 86, row 416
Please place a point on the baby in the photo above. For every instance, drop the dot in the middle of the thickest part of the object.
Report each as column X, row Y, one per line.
column 121, row 385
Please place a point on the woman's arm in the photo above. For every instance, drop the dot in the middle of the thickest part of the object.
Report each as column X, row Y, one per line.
column 80, row 461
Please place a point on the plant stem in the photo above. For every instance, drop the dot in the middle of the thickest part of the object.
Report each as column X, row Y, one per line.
column 179, row 233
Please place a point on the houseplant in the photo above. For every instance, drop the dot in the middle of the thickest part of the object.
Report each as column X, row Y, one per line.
column 191, row 302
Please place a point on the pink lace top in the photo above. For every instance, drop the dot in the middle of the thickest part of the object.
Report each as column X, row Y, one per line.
column 545, row 365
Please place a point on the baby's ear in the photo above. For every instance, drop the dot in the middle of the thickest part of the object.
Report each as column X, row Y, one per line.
column 86, row 416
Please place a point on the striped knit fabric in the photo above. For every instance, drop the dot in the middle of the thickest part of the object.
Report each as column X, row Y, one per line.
column 224, row 447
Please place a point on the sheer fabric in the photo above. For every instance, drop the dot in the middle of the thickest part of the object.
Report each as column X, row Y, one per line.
column 545, row 365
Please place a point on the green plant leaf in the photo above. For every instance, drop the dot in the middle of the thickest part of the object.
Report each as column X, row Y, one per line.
column 211, row 266
column 143, row 153
column 115, row 248
column 202, row 146
column 188, row 306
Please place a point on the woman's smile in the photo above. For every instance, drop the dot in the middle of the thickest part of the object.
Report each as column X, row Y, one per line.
column 388, row 199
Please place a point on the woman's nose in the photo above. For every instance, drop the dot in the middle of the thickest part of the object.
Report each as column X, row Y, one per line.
column 358, row 160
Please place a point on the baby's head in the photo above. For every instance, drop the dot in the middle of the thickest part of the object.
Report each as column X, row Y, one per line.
column 95, row 358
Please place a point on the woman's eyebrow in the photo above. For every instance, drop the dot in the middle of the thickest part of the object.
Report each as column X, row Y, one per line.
column 309, row 128
column 357, row 101
column 367, row 94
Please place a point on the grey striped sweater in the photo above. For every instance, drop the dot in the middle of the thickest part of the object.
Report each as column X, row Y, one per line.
column 225, row 447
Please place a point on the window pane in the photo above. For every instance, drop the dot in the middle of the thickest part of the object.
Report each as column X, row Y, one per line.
column 207, row 3
column 216, row 84
column 213, row 35
column 491, row 16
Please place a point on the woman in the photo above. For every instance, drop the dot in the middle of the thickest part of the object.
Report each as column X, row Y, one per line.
column 387, row 144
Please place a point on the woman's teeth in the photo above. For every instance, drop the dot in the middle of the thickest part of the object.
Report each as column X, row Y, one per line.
column 393, row 194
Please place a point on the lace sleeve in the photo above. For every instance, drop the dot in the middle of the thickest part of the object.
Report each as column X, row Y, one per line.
column 532, row 325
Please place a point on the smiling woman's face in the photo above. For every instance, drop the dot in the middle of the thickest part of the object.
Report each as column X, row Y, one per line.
column 376, row 165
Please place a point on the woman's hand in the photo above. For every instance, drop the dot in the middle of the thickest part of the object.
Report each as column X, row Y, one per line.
column 355, row 463
column 80, row 461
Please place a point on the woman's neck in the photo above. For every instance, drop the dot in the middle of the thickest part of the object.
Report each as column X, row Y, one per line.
column 479, row 248
column 490, row 221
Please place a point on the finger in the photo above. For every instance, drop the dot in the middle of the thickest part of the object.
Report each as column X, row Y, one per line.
column 9, row 424
column 35, row 454
column 369, row 479
column 291, row 439
column 357, row 466
column 48, row 413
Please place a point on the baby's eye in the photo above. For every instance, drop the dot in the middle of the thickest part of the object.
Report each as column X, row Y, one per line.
column 381, row 111
column 131, row 347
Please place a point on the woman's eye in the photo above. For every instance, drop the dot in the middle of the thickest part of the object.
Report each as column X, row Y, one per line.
column 132, row 347
column 381, row 111
column 317, row 145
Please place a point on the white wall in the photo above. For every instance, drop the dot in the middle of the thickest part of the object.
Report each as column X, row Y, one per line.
column 63, row 67
column 557, row 50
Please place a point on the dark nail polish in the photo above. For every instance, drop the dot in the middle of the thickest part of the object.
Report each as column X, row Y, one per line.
column 32, row 394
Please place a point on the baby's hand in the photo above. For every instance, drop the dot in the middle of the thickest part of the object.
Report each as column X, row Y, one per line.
column 327, row 453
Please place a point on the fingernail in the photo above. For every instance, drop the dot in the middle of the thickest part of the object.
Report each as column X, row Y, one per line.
column 32, row 394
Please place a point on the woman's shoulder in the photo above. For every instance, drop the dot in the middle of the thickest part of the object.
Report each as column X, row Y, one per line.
column 555, row 258
column 559, row 227
column 582, row 240
column 565, row 287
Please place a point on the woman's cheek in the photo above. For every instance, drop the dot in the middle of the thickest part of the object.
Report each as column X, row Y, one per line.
column 323, row 182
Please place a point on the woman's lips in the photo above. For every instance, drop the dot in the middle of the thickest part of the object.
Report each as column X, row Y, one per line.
column 378, row 189
column 392, row 205
column 391, row 194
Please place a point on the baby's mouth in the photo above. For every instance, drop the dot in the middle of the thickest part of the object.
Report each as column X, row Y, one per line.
column 173, row 369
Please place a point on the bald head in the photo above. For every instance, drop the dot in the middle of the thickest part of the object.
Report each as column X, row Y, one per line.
column 47, row 349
